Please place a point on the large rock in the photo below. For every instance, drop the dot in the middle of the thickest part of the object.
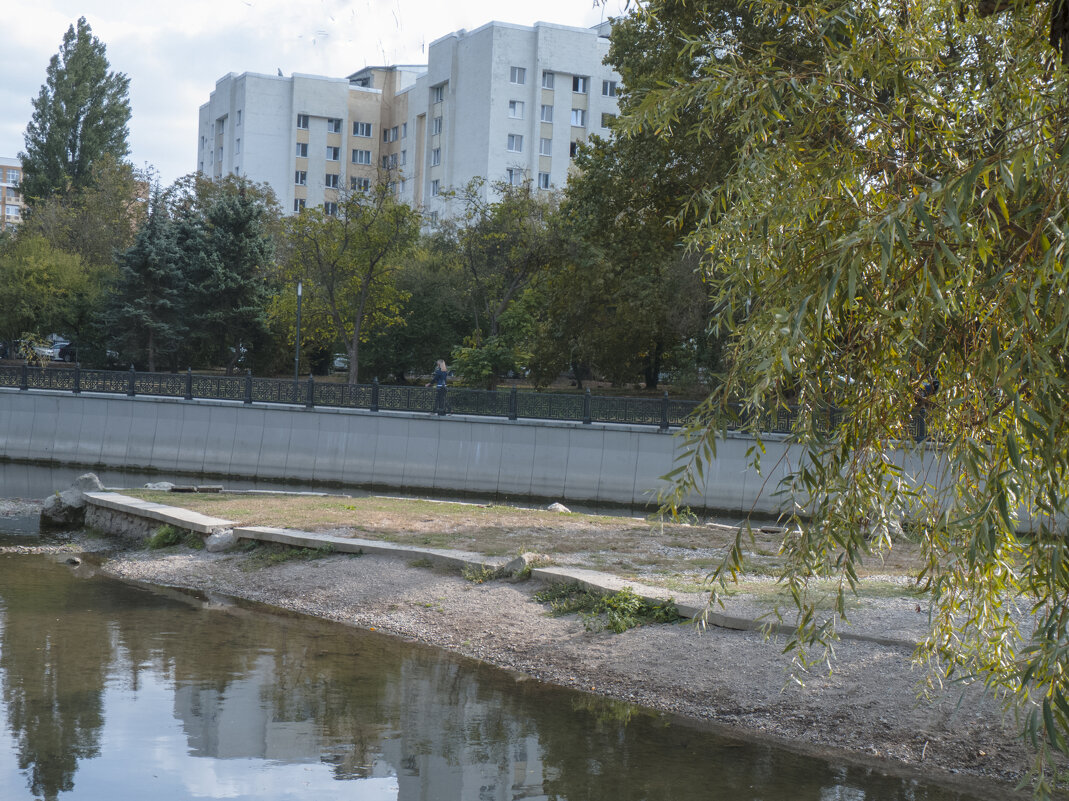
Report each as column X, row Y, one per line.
column 67, row 509
column 221, row 539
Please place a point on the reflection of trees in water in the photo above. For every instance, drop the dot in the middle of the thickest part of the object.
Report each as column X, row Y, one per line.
column 244, row 681
column 53, row 662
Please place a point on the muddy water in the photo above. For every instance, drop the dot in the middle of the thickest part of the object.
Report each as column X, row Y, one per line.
column 111, row 691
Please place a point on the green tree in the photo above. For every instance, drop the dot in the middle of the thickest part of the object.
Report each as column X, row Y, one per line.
column 98, row 220
column 348, row 263
column 41, row 287
column 150, row 306
column 80, row 115
column 435, row 315
column 228, row 262
column 891, row 241
column 507, row 240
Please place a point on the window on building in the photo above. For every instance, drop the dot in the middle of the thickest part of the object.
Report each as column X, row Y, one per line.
column 13, row 177
column 302, row 121
column 579, row 117
column 547, row 79
column 333, row 125
column 606, row 120
column 518, row 75
column 438, row 93
column 608, row 88
column 331, row 180
column 434, row 218
column 580, row 84
column 237, row 146
column 302, row 150
column 239, row 117
column 298, row 204
column 516, row 109
column 330, row 208
column 222, row 125
column 436, row 126
column 361, row 157
column 389, row 134
column 404, row 157
column 385, row 162
column 514, row 176
column 219, row 157
column 333, row 153
column 573, row 149
column 436, row 188
column 359, row 184
column 401, row 186
column 547, row 113
column 515, row 143
column 436, row 157
column 404, row 130
column 300, row 177
column 361, row 129
column 545, row 147
column 393, row 161
column 543, row 180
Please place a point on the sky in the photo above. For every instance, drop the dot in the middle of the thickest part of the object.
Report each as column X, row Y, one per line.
column 174, row 52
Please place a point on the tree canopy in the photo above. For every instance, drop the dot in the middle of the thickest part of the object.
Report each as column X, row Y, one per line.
column 80, row 115
column 890, row 242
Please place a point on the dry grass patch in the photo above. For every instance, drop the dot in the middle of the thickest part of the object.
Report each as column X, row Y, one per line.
column 674, row 555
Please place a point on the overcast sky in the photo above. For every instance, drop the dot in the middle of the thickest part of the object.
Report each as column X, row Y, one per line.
column 173, row 52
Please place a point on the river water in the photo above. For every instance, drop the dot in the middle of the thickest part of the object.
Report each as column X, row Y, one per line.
column 113, row 691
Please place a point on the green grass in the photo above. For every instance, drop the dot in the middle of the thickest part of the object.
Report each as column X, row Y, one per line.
column 261, row 555
column 166, row 536
column 617, row 612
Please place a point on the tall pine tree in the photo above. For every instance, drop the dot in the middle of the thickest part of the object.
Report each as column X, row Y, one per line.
column 80, row 115
column 149, row 307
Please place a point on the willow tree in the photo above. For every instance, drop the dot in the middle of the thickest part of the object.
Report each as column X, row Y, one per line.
column 890, row 242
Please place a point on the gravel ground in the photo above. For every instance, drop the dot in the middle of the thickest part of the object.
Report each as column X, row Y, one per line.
column 866, row 708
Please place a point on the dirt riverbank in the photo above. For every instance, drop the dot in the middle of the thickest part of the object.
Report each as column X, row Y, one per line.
column 867, row 707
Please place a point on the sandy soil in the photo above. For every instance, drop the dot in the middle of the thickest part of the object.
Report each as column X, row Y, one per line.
column 866, row 708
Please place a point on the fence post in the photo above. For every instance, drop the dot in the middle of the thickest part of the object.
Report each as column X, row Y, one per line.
column 24, row 379
column 131, row 390
column 664, row 411
column 248, row 386
column 77, row 378
column 513, row 402
column 310, row 402
column 375, row 394
column 586, row 407
column 189, row 383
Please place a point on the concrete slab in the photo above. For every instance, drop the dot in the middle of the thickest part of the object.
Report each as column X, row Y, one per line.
column 550, row 463
column 421, row 453
column 165, row 444
column 391, row 445
column 274, row 443
column 304, row 539
column 141, row 435
column 517, row 459
column 181, row 518
column 303, row 443
column 248, row 441
column 586, row 447
column 219, row 446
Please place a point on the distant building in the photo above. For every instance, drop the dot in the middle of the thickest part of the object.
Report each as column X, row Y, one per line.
column 11, row 202
column 503, row 102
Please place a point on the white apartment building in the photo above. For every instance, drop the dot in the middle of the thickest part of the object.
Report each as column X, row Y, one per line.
column 503, row 102
column 11, row 203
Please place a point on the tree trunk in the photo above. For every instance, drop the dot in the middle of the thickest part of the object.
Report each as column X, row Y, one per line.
column 653, row 367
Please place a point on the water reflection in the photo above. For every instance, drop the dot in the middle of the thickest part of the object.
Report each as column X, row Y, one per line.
column 112, row 691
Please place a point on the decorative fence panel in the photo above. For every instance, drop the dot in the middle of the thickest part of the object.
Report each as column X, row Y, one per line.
column 663, row 412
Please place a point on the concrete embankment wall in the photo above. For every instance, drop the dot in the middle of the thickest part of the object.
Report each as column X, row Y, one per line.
column 497, row 458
